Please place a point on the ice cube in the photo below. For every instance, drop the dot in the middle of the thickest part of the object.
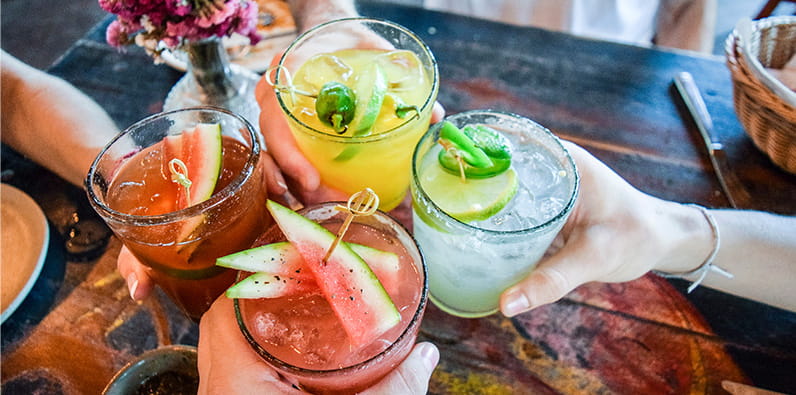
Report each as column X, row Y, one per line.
column 269, row 328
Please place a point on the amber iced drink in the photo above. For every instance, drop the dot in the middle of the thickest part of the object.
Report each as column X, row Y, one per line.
column 337, row 326
column 181, row 189
column 358, row 94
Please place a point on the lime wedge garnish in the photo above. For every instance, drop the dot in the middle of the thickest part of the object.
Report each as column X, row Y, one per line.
column 370, row 88
column 470, row 200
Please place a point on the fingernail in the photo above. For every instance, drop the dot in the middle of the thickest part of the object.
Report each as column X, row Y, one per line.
column 132, row 284
column 516, row 302
column 282, row 185
column 430, row 355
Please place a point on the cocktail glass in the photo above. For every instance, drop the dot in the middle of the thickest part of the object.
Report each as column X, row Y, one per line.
column 377, row 157
column 131, row 188
column 471, row 264
column 301, row 337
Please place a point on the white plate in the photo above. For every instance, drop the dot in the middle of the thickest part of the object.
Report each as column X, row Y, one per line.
column 25, row 237
column 256, row 59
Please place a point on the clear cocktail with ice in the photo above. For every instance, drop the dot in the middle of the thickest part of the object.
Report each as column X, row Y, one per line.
column 483, row 228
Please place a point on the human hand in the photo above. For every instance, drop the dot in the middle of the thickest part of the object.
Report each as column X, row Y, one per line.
column 615, row 233
column 228, row 365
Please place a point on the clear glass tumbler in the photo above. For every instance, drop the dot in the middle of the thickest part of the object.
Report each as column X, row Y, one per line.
column 347, row 51
column 130, row 186
column 471, row 263
column 301, row 336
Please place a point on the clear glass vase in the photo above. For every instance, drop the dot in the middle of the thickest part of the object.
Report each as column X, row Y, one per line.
column 211, row 79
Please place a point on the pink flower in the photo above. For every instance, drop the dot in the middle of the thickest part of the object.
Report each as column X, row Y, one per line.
column 173, row 22
column 114, row 34
column 179, row 7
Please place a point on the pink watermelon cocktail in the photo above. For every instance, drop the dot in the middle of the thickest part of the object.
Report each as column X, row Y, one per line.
column 312, row 342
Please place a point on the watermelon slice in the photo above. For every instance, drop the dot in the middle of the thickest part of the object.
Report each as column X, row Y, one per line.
column 199, row 149
column 284, row 260
column 281, row 258
column 270, row 285
column 360, row 302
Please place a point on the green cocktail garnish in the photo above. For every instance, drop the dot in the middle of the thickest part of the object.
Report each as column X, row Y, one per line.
column 457, row 143
column 401, row 109
column 472, row 144
column 475, row 151
column 335, row 106
column 474, row 180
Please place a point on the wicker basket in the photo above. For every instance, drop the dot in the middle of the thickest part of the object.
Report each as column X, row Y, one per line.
column 768, row 119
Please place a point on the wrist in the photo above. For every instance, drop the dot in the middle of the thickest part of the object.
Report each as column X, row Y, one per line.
column 688, row 239
column 699, row 274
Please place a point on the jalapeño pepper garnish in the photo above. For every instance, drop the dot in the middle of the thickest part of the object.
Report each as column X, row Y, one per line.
column 336, row 105
column 476, row 151
column 402, row 109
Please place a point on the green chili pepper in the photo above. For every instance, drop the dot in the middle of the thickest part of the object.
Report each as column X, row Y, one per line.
column 484, row 140
column 465, row 146
column 402, row 109
column 335, row 106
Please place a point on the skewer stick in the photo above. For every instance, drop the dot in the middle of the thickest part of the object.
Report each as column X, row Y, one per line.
column 364, row 202
column 179, row 175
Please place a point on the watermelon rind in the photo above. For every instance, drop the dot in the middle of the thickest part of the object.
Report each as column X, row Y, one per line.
column 279, row 257
column 200, row 149
column 282, row 257
column 270, row 285
column 204, row 160
column 355, row 294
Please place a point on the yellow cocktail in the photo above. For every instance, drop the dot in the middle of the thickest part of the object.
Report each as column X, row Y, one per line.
column 393, row 78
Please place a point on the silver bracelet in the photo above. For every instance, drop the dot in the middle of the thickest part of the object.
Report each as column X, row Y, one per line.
column 707, row 266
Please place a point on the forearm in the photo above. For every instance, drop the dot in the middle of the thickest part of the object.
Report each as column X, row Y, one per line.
column 51, row 121
column 308, row 13
column 758, row 248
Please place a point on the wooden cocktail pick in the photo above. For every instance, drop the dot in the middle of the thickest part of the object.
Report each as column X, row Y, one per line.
column 179, row 175
column 450, row 148
column 364, row 202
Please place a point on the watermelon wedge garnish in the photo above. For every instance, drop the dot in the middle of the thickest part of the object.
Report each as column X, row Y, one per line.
column 199, row 150
column 282, row 259
column 272, row 285
column 355, row 294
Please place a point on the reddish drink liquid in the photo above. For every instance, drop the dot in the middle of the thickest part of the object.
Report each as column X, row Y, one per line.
column 185, row 269
column 303, row 338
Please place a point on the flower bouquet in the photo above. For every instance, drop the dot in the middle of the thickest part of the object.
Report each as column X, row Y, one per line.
column 159, row 24
column 195, row 27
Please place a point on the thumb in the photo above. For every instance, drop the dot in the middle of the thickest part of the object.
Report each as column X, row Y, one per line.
column 412, row 375
column 552, row 279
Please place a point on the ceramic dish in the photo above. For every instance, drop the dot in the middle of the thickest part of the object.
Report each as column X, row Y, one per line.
column 25, row 237
column 164, row 370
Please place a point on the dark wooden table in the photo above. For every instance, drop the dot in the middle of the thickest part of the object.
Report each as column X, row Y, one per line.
column 78, row 326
